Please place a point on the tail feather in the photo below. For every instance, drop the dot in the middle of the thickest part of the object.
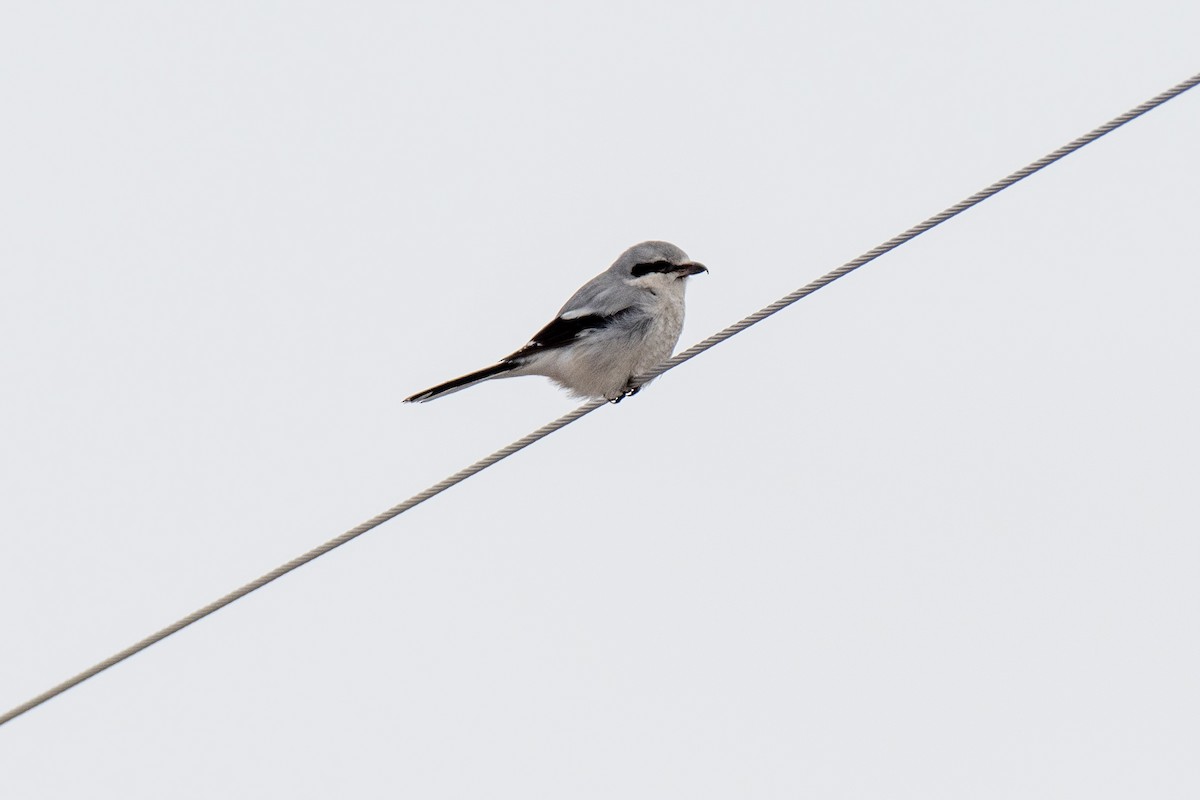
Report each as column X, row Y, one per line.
column 458, row 384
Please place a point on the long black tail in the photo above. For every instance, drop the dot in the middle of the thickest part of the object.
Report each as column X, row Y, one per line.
column 461, row 383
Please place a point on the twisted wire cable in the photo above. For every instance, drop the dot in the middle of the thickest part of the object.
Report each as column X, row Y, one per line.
column 918, row 229
column 589, row 407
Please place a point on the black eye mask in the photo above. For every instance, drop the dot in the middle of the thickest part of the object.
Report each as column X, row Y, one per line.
column 654, row 266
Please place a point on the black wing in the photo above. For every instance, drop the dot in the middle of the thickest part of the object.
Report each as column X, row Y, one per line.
column 562, row 332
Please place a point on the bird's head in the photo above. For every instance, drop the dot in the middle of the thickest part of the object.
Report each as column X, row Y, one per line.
column 657, row 261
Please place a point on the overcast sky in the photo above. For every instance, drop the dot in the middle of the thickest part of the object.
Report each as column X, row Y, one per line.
column 931, row 533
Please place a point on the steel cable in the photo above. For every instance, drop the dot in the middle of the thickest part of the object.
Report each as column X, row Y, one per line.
column 591, row 406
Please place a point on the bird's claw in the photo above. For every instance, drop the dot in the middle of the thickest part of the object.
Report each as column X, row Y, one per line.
column 627, row 393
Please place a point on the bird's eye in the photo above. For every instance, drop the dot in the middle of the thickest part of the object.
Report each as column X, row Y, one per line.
column 653, row 266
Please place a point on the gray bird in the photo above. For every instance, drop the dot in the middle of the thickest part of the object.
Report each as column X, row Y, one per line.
column 620, row 324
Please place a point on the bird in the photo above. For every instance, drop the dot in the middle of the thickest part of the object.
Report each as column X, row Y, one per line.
column 617, row 326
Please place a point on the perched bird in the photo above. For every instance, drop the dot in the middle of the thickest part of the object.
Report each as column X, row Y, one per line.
column 620, row 324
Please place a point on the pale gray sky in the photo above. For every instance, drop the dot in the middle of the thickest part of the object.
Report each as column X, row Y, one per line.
column 932, row 533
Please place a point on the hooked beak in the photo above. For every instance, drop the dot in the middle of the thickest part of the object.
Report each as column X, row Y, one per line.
column 692, row 268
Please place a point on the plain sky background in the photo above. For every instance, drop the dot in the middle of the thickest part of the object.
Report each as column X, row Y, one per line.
column 931, row 533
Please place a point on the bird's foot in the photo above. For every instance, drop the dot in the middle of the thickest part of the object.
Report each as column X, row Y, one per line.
column 629, row 392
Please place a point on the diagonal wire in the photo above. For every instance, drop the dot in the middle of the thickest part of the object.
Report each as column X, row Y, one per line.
column 917, row 230
column 589, row 407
